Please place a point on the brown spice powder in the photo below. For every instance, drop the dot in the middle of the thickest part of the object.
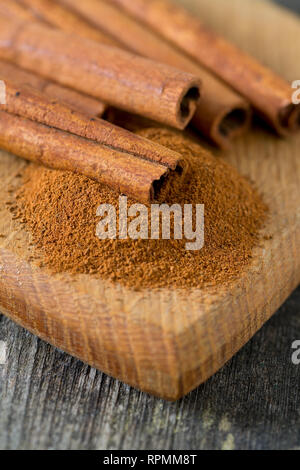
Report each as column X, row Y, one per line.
column 59, row 209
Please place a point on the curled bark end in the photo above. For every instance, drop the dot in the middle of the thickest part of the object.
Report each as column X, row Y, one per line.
column 188, row 105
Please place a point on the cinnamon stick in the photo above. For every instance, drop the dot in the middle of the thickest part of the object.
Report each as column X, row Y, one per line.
column 11, row 9
column 61, row 150
column 115, row 76
column 60, row 17
column 221, row 115
column 30, row 104
column 40, row 130
column 269, row 94
column 77, row 101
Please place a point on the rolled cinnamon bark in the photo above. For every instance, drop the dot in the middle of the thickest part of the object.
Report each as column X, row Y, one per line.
column 269, row 94
column 29, row 104
column 77, row 101
column 11, row 9
column 61, row 150
column 60, row 17
column 117, row 77
column 221, row 115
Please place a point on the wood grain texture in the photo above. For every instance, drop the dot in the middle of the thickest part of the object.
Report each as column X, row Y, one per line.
column 166, row 343
column 50, row 400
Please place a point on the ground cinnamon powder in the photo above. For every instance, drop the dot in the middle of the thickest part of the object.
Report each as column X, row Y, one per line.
column 59, row 209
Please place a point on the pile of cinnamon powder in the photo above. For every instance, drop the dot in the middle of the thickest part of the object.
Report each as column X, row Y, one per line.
column 59, row 209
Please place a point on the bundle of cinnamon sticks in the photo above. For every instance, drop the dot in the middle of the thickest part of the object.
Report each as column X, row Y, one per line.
column 46, row 131
column 147, row 57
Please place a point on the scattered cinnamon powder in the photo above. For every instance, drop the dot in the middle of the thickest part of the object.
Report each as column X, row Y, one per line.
column 59, row 209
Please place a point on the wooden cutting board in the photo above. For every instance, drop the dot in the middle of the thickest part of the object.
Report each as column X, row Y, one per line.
column 163, row 342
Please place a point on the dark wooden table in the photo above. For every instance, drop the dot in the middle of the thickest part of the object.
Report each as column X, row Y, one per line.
column 50, row 400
